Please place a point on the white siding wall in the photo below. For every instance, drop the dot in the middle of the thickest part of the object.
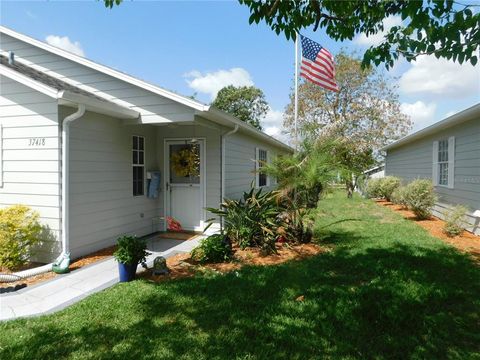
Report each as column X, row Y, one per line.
column 31, row 173
column 240, row 163
column 102, row 206
column 153, row 108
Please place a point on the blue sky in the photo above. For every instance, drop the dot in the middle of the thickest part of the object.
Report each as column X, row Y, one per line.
column 198, row 47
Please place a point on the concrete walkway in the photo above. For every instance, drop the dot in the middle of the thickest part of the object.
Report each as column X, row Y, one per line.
column 65, row 290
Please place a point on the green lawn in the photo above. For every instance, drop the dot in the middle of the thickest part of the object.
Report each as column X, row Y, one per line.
column 387, row 290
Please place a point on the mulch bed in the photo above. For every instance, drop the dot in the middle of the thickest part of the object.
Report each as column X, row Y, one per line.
column 182, row 265
column 74, row 265
column 465, row 242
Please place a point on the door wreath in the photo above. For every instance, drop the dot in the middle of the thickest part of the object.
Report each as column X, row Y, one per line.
column 186, row 162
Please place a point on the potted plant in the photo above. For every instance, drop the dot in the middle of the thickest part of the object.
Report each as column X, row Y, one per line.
column 130, row 252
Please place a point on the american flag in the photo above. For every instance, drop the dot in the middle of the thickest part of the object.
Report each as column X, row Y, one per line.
column 317, row 64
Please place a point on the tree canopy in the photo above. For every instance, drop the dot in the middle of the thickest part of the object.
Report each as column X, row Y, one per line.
column 245, row 102
column 353, row 123
column 445, row 28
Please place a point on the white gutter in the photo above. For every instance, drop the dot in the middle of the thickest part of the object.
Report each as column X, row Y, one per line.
column 224, row 136
column 66, row 176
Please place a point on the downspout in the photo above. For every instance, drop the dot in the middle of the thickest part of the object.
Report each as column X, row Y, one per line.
column 66, row 176
column 65, row 203
column 224, row 136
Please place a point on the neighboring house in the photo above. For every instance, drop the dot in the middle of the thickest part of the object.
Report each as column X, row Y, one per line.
column 448, row 152
column 86, row 146
column 376, row 172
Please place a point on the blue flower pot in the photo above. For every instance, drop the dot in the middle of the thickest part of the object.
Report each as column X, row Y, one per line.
column 127, row 271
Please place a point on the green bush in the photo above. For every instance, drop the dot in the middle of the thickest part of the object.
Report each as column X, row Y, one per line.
column 388, row 184
column 131, row 250
column 373, row 188
column 399, row 196
column 455, row 221
column 251, row 221
column 20, row 230
column 420, row 197
column 213, row 249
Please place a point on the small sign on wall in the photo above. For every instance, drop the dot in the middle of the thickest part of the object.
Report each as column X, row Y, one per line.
column 36, row 142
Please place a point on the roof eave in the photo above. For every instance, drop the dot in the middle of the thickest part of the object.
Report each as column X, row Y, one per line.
column 224, row 118
column 106, row 70
column 457, row 118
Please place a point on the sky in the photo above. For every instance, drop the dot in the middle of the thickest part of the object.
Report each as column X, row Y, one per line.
column 198, row 47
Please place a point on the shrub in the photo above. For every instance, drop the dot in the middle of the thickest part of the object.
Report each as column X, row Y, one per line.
column 420, row 197
column 294, row 226
column 388, row 184
column 213, row 249
column 251, row 221
column 373, row 188
column 398, row 196
column 131, row 250
column 19, row 231
column 455, row 221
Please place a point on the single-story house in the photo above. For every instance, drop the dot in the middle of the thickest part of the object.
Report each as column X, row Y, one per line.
column 448, row 153
column 99, row 153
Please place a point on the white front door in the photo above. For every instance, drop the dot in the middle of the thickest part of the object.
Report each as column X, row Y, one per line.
column 184, row 182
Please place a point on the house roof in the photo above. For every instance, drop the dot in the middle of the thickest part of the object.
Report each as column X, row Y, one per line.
column 458, row 118
column 66, row 94
column 206, row 111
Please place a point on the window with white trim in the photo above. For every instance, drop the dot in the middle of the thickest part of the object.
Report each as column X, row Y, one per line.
column 443, row 162
column 443, row 166
column 262, row 159
column 138, row 165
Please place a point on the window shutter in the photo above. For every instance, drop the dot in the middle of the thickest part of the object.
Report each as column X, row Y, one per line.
column 257, row 179
column 451, row 162
column 435, row 163
column 268, row 162
column 1, row 155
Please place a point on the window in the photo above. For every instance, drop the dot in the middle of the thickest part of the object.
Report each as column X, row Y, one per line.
column 138, row 162
column 443, row 162
column 443, row 166
column 262, row 159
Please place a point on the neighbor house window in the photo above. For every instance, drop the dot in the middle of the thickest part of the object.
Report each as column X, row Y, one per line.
column 443, row 162
column 262, row 159
column 138, row 162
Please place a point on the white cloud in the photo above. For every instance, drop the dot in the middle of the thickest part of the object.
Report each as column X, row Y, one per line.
column 422, row 114
column 432, row 76
column 273, row 125
column 212, row 82
column 63, row 42
column 376, row 39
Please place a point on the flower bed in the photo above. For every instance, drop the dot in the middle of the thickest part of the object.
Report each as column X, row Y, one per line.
column 465, row 242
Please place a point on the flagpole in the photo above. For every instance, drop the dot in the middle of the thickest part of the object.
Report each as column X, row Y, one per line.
column 296, row 92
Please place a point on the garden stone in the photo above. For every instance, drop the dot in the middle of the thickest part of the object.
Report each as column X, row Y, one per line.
column 160, row 266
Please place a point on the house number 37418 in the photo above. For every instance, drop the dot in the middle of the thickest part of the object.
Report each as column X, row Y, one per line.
column 36, row 142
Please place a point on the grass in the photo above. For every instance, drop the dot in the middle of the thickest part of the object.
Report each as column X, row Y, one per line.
column 388, row 290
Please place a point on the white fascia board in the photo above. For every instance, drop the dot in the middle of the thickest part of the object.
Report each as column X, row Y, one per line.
column 106, row 70
column 98, row 106
column 455, row 119
column 225, row 119
column 25, row 80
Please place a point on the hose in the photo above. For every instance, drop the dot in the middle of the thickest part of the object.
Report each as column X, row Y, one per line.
column 25, row 273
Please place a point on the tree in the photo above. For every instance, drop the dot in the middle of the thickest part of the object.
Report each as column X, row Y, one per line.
column 444, row 28
column 245, row 102
column 360, row 119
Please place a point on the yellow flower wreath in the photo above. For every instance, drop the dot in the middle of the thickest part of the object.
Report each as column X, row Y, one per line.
column 186, row 162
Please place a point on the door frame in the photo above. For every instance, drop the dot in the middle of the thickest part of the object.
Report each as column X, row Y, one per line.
column 203, row 180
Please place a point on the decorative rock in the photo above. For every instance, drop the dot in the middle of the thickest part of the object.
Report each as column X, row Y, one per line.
column 160, row 266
